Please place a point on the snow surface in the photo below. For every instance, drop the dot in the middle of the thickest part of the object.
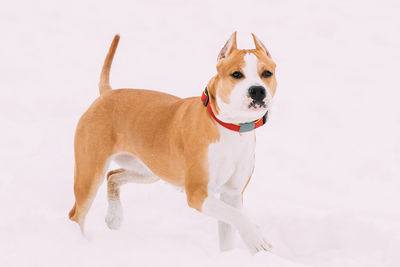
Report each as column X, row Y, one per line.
column 326, row 185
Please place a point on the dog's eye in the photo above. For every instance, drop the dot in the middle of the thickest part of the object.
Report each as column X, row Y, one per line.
column 266, row 74
column 237, row 75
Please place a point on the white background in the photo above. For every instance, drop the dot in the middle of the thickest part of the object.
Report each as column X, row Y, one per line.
column 326, row 185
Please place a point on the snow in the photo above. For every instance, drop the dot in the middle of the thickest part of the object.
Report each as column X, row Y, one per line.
column 325, row 190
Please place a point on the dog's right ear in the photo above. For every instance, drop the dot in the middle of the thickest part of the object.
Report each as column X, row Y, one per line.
column 228, row 47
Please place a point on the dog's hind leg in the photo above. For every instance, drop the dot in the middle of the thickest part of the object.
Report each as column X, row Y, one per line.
column 136, row 173
column 91, row 162
column 87, row 182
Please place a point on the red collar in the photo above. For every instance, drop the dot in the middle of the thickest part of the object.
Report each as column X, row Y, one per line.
column 241, row 127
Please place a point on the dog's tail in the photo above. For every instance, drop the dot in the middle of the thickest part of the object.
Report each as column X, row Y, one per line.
column 104, row 84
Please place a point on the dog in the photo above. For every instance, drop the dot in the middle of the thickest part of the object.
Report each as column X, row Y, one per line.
column 206, row 145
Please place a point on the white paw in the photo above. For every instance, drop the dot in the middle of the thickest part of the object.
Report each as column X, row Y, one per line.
column 114, row 216
column 255, row 241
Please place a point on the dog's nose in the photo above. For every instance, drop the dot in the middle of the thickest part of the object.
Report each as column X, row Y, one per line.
column 257, row 92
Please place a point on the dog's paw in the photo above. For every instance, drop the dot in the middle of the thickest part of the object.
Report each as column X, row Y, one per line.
column 114, row 216
column 255, row 241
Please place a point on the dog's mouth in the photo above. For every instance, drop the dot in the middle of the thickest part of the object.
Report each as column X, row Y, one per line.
column 257, row 104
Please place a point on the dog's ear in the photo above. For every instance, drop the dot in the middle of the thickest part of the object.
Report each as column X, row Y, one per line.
column 228, row 47
column 259, row 45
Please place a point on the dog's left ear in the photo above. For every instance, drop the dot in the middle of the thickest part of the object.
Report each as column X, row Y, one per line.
column 259, row 45
column 229, row 46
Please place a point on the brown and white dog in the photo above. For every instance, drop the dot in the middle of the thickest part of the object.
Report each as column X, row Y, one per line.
column 207, row 147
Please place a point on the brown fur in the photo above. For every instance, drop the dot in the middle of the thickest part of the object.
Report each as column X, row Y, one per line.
column 113, row 186
column 112, row 172
column 152, row 126
column 104, row 84
column 168, row 134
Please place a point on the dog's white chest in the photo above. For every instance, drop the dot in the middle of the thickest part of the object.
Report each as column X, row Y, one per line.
column 231, row 160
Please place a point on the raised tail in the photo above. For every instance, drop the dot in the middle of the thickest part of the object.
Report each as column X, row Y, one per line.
column 104, row 84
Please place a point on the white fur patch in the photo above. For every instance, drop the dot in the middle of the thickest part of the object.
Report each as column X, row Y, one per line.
column 231, row 160
column 129, row 162
column 249, row 233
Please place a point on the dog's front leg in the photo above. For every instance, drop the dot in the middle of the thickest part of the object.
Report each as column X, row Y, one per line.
column 199, row 198
column 228, row 214
column 225, row 230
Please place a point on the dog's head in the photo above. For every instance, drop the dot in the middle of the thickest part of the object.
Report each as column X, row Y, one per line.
column 243, row 89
